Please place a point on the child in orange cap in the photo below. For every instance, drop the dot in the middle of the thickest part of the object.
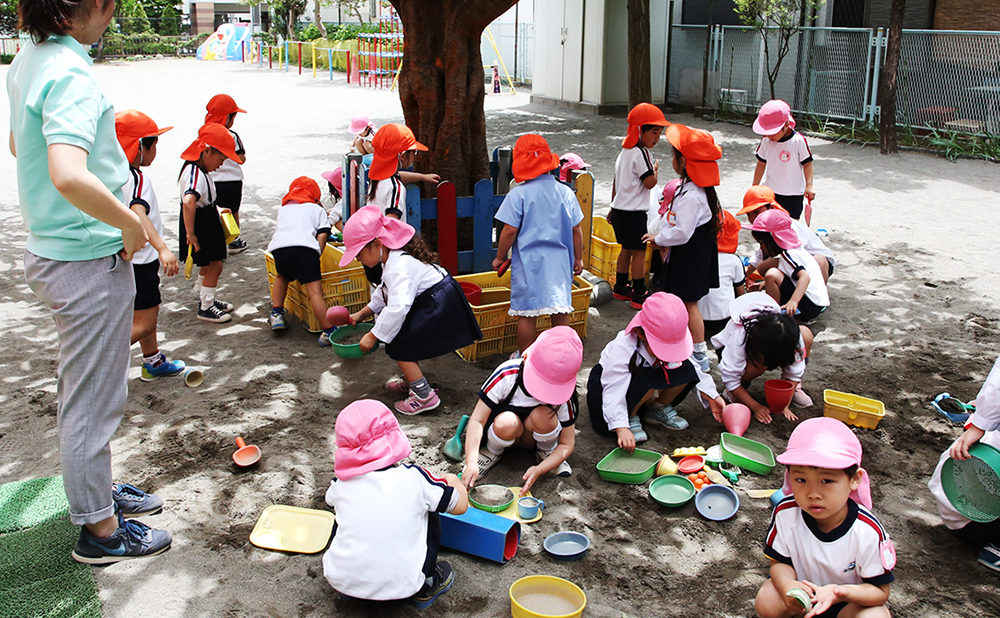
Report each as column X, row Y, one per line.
column 635, row 176
column 759, row 198
column 689, row 228
column 784, row 161
column 138, row 134
column 422, row 311
column 714, row 307
column 297, row 244
column 229, row 177
column 201, row 234
column 541, row 220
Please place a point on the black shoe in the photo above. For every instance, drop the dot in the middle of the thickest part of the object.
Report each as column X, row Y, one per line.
column 639, row 297
column 444, row 577
column 622, row 292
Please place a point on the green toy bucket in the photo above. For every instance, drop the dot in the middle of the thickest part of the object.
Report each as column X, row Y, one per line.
column 973, row 485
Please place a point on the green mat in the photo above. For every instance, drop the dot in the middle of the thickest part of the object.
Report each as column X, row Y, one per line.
column 39, row 578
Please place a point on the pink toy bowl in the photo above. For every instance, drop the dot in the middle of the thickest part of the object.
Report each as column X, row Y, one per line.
column 778, row 394
column 736, row 418
column 338, row 315
column 691, row 464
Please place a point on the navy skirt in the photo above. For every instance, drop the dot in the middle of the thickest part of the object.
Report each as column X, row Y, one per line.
column 643, row 380
column 440, row 321
column 691, row 269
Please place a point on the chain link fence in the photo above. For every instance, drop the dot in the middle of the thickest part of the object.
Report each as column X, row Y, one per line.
column 946, row 79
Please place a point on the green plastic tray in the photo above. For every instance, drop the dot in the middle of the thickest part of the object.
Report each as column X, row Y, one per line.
column 746, row 453
column 619, row 466
column 973, row 485
column 672, row 490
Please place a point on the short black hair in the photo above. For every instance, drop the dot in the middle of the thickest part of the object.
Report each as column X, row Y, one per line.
column 147, row 142
column 772, row 339
column 648, row 127
column 44, row 18
column 850, row 471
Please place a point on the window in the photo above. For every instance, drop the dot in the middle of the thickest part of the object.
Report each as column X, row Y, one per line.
column 697, row 12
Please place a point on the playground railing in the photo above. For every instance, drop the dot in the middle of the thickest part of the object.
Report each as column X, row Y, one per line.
column 300, row 54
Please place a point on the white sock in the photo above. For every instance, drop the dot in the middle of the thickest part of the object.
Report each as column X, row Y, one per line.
column 201, row 280
column 547, row 441
column 494, row 444
column 207, row 296
column 701, row 348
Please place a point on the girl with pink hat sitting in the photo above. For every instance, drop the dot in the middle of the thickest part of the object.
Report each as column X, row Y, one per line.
column 363, row 131
column 385, row 542
column 529, row 402
column 422, row 311
column 335, row 185
column 646, row 370
column 759, row 337
column 828, row 551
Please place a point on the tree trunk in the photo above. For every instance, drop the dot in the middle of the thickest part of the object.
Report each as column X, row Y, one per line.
column 640, row 86
column 441, row 84
column 887, row 81
column 290, row 26
column 318, row 18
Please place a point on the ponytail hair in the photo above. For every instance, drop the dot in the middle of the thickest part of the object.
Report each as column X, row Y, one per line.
column 713, row 198
column 418, row 249
column 372, row 186
column 772, row 339
column 44, row 18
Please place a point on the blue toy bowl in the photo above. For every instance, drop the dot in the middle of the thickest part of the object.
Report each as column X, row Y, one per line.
column 717, row 502
column 567, row 545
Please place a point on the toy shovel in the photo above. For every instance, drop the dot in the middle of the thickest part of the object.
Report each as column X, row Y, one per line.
column 339, row 316
column 503, row 267
column 189, row 263
column 809, row 211
column 245, row 455
column 453, row 447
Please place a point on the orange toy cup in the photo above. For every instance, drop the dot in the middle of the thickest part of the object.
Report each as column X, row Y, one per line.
column 245, row 455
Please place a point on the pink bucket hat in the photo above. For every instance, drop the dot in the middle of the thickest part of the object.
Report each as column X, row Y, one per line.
column 772, row 117
column 751, row 304
column 368, row 224
column 569, row 162
column 825, row 442
column 664, row 320
column 551, row 364
column 669, row 190
column 778, row 224
column 359, row 123
column 335, row 177
column 368, row 439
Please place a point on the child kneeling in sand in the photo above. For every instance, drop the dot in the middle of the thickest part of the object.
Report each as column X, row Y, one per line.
column 531, row 402
column 823, row 539
column 982, row 427
column 388, row 531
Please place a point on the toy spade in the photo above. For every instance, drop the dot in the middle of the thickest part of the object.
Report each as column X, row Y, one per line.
column 453, row 447
column 339, row 316
column 189, row 263
column 503, row 267
column 246, row 455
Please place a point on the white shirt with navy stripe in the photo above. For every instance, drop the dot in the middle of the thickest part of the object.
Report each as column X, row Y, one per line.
column 848, row 554
column 380, row 539
column 230, row 170
column 390, row 197
column 503, row 380
column 715, row 304
column 195, row 181
column 793, row 261
column 632, row 166
column 733, row 363
column 298, row 225
column 138, row 189
column 785, row 159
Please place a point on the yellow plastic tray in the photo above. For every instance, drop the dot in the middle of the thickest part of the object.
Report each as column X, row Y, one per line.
column 853, row 409
column 511, row 511
column 293, row 529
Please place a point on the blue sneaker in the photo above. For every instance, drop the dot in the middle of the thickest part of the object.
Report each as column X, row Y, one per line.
column 667, row 417
column 277, row 319
column 165, row 369
column 989, row 556
column 324, row 337
column 635, row 426
column 132, row 539
column 444, row 577
column 133, row 502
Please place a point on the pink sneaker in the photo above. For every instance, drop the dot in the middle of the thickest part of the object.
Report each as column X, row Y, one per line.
column 800, row 399
column 398, row 385
column 413, row 405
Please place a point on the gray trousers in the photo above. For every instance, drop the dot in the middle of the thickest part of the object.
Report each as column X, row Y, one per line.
column 91, row 302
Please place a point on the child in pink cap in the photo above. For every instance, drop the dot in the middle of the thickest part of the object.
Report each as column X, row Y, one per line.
column 792, row 276
column 363, row 131
column 759, row 337
column 422, row 311
column 335, row 185
column 648, row 363
column 823, row 539
column 784, row 161
column 530, row 402
column 388, row 531
column 983, row 427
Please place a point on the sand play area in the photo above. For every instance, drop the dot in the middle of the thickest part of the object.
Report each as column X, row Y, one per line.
column 914, row 313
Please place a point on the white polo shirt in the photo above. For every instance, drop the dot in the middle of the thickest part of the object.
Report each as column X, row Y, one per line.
column 194, row 180
column 632, row 166
column 785, row 159
column 404, row 277
column 139, row 190
column 298, row 225
column 390, row 197
column 793, row 261
column 715, row 304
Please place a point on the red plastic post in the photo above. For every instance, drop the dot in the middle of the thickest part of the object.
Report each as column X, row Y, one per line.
column 270, row 57
column 348, row 66
column 447, row 209
column 300, row 58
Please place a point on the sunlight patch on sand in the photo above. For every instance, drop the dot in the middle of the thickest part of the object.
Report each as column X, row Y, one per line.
column 261, row 371
column 236, row 329
column 330, row 385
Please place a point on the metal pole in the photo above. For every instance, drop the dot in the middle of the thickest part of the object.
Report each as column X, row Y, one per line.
column 670, row 45
column 516, row 6
column 300, row 57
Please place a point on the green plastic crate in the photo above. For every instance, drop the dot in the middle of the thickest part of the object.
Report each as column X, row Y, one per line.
column 620, row 466
column 746, row 453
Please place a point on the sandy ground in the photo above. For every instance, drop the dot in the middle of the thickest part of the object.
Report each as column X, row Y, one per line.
column 913, row 315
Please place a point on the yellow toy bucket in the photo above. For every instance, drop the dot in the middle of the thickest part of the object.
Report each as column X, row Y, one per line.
column 544, row 596
column 229, row 227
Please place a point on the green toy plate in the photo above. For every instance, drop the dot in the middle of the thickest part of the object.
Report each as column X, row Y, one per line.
column 672, row 490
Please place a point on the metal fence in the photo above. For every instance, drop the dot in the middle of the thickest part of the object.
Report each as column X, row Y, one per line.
column 948, row 79
column 517, row 50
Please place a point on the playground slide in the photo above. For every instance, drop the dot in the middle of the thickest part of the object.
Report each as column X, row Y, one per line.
column 225, row 44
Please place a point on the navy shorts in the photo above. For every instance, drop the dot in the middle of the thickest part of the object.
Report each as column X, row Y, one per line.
column 808, row 310
column 229, row 194
column 211, row 237
column 630, row 227
column 791, row 203
column 297, row 264
column 147, row 285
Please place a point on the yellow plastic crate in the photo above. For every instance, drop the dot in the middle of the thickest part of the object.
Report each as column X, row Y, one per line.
column 604, row 251
column 853, row 409
column 500, row 328
column 341, row 286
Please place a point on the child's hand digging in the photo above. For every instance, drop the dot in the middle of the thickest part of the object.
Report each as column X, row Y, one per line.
column 762, row 414
column 787, row 413
column 368, row 342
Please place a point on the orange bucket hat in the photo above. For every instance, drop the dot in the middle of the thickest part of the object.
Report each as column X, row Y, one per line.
column 759, row 196
column 700, row 153
column 215, row 135
column 389, row 142
column 131, row 126
column 303, row 190
column 219, row 107
column 532, row 157
column 728, row 237
column 642, row 114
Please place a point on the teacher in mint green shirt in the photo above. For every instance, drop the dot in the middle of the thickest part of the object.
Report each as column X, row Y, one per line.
column 70, row 171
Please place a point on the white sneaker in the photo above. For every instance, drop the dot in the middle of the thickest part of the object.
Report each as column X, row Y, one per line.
column 487, row 460
column 800, row 399
column 563, row 469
